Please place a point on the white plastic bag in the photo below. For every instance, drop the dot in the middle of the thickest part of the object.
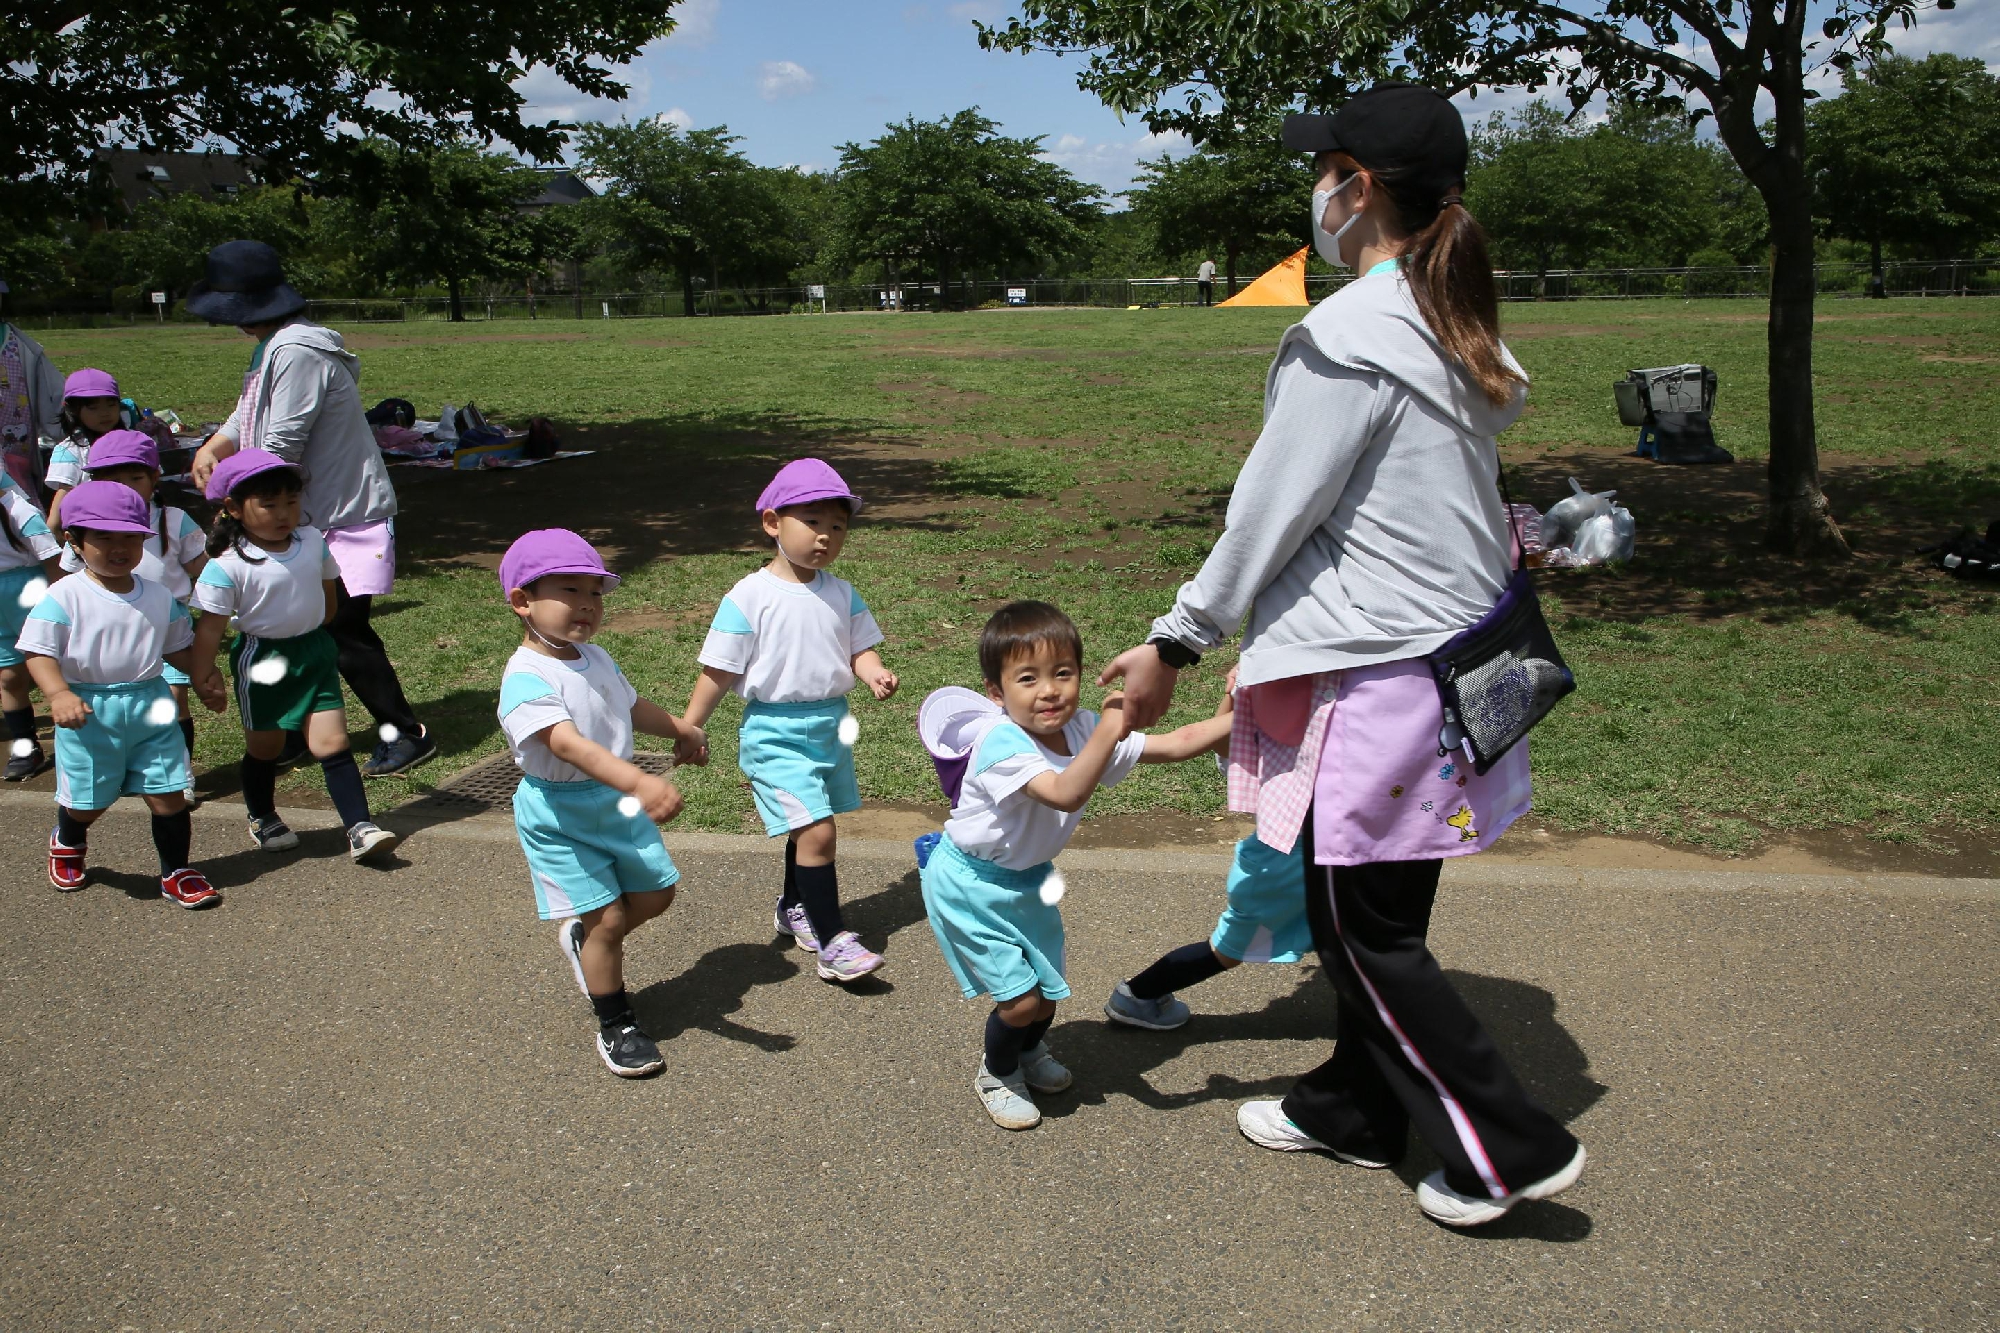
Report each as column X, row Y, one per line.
column 1605, row 537
column 447, row 427
column 1566, row 517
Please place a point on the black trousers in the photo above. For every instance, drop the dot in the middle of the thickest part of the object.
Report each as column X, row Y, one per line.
column 364, row 663
column 1408, row 1050
column 1207, row 291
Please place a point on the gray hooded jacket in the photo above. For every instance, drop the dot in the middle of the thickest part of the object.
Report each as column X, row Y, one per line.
column 1366, row 525
column 309, row 406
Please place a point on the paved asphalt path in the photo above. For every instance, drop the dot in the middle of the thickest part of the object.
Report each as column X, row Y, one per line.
column 367, row 1099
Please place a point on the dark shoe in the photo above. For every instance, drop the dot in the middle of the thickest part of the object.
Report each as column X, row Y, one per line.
column 24, row 763
column 628, row 1052
column 367, row 839
column 400, row 755
column 273, row 834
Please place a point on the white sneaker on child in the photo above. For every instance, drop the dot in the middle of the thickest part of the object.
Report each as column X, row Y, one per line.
column 1040, row 1071
column 1006, row 1099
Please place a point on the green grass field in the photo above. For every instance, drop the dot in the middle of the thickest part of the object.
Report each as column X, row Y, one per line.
column 1085, row 457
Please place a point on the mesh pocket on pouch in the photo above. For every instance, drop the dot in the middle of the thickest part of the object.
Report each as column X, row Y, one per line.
column 1500, row 677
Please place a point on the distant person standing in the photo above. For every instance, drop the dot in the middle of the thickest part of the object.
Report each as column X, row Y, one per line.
column 1204, row 281
column 31, row 402
column 302, row 401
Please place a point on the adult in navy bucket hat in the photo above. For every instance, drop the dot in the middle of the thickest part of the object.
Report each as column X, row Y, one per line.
column 301, row 400
column 1365, row 532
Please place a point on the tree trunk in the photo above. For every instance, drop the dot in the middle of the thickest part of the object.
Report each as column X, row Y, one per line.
column 457, row 307
column 1877, row 287
column 687, row 290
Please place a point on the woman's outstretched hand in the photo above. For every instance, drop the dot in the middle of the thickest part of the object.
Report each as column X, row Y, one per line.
column 1149, row 684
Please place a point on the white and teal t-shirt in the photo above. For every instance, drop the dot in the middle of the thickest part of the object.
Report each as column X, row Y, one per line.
column 590, row 693
column 67, row 468
column 163, row 563
column 790, row 643
column 272, row 594
column 996, row 821
column 101, row 637
column 36, row 543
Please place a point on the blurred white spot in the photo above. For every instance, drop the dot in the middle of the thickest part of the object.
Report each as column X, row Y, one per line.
column 162, row 713
column 23, row 748
column 270, row 670
column 387, row 731
column 1053, row 887
column 628, row 806
column 848, row 730
column 33, row 591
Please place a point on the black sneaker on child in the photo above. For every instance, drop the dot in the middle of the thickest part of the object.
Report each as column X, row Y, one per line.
column 273, row 834
column 400, row 755
column 23, row 764
column 628, row 1052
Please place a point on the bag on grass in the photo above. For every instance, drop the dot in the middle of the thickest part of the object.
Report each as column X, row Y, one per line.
column 542, row 441
column 1568, row 515
column 1685, row 437
column 1967, row 556
column 393, row 412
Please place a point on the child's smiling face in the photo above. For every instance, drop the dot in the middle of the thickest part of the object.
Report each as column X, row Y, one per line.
column 1038, row 688
column 565, row 608
column 109, row 555
column 809, row 535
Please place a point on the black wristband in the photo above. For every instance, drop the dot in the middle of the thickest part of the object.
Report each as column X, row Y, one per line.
column 1175, row 653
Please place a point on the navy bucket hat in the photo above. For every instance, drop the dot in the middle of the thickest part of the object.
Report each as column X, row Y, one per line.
column 245, row 284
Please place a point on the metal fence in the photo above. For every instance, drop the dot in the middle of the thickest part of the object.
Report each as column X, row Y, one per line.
column 1956, row 277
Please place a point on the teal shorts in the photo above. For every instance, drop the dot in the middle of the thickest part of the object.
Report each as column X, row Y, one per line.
column 998, row 936
column 129, row 745
column 12, row 614
column 799, row 771
column 582, row 853
column 1265, row 921
column 309, row 682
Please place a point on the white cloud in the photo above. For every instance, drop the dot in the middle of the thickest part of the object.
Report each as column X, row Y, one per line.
column 1970, row 30
column 783, row 78
column 676, row 117
column 694, row 22
column 1111, row 163
column 549, row 98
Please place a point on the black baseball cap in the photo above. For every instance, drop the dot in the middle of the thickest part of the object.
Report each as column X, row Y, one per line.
column 1409, row 133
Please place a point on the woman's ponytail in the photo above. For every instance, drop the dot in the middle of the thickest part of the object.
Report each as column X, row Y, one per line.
column 1451, row 279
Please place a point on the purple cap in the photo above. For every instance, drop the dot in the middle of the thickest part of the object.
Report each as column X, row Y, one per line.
column 804, row 480
column 123, row 448
column 238, row 468
column 106, row 506
column 548, row 551
column 90, row 384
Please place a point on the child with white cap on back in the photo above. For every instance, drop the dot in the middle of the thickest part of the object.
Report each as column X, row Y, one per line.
column 587, row 816
column 792, row 639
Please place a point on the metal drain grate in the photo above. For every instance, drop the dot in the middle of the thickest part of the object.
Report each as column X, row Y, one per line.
column 490, row 784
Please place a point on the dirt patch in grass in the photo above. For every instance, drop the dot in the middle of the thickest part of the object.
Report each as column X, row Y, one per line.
column 381, row 341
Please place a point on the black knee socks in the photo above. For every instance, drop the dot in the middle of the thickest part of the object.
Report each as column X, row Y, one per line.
column 260, row 786
column 20, row 723
column 172, row 835
column 343, row 784
column 790, row 896
column 1186, row 966
column 1031, row 1035
column 71, row 832
column 1004, row 1044
column 187, row 734
column 613, row 1010
column 819, row 894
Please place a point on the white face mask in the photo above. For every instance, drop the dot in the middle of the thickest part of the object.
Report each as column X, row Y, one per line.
column 1328, row 243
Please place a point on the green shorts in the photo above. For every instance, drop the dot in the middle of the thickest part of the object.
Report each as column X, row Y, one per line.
column 282, row 682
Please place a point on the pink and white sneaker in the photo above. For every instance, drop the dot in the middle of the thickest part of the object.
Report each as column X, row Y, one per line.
column 793, row 921
column 847, row 959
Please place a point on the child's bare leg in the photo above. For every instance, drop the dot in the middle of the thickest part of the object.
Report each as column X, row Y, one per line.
column 604, row 934
column 14, row 687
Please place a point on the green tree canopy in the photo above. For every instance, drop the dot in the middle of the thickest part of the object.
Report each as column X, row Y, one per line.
column 1240, row 194
column 1909, row 155
column 1196, row 64
column 956, row 196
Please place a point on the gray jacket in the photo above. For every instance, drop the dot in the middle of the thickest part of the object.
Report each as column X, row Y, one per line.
column 1366, row 525
column 309, row 409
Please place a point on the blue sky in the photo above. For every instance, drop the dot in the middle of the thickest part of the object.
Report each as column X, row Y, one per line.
column 797, row 79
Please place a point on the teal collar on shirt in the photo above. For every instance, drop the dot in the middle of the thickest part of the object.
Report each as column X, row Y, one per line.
column 1386, row 266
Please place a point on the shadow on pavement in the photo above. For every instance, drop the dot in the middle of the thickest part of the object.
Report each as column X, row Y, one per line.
column 704, row 995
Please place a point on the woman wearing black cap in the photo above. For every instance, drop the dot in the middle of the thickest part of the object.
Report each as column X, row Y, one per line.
column 302, row 401
column 1365, row 531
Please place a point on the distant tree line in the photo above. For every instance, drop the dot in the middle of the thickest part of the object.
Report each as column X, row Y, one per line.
column 1904, row 164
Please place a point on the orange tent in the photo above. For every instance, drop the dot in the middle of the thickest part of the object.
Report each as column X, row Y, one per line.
column 1284, row 284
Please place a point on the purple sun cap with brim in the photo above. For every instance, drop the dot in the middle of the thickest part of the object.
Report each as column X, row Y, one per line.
column 804, row 480
column 238, row 468
column 106, row 506
column 545, row 551
column 90, row 384
column 123, row 448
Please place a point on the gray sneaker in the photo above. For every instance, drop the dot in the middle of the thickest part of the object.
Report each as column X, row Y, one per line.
column 273, row 834
column 1161, row 1015
column 1040, row 1071
column 1006, row 1099
column 365, row 840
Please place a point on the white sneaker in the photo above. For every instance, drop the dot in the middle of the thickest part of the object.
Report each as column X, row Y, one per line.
column 569, row 938
column 1266, row 1125
column 1040, row 1071
column 1442, row 1203
column 1006, row 1099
